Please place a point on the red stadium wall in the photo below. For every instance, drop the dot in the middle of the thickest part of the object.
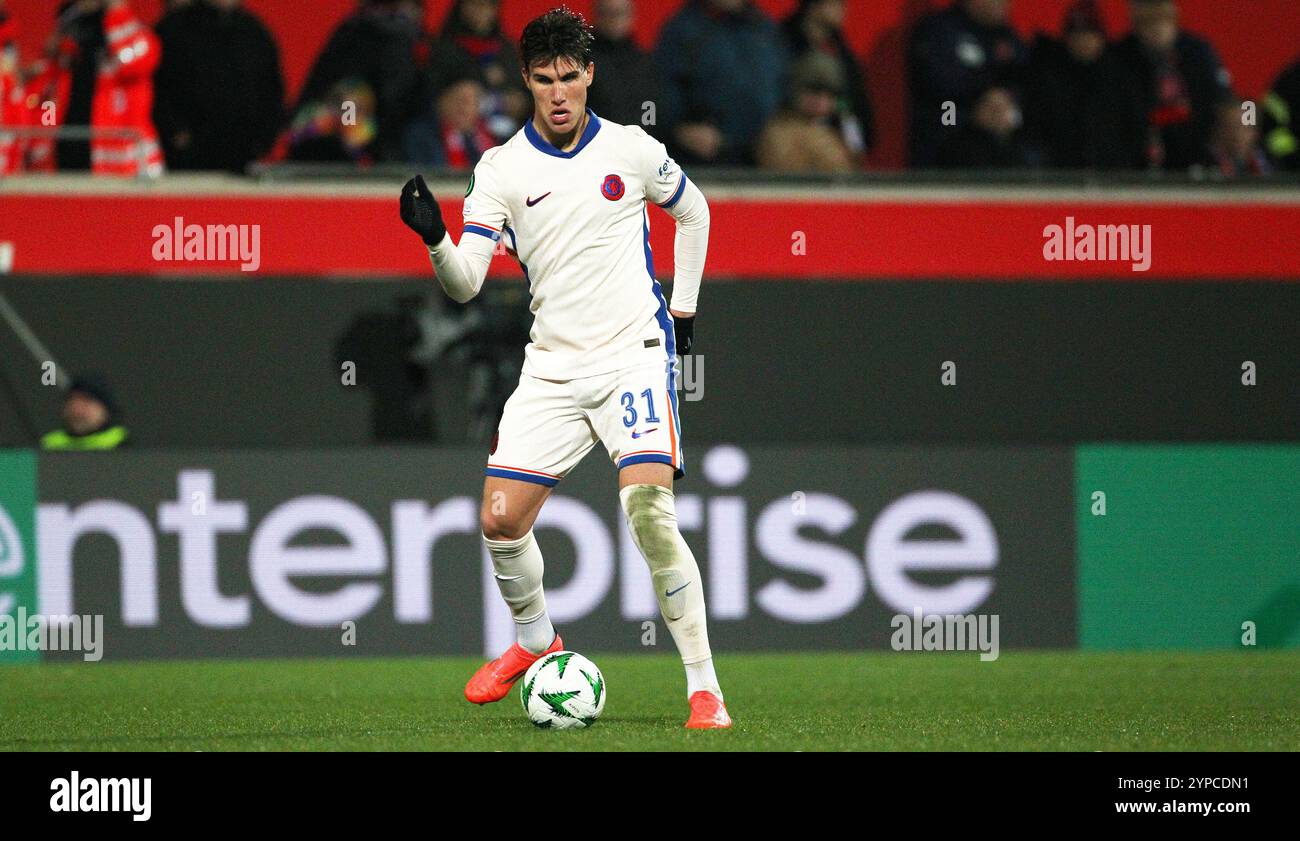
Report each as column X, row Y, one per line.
column 751, row 238
column 1257, row 38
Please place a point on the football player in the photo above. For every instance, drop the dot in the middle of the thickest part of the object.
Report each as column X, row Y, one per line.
column 568, row 193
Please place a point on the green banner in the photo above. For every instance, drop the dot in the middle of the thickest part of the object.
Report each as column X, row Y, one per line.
column 17, row 549
column 1188, row 546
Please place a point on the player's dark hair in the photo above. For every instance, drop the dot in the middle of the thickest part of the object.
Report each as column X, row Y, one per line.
column 559, row 33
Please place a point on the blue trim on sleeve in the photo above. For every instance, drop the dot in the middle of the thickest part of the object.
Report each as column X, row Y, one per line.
column 677, row 194
column 483, row 232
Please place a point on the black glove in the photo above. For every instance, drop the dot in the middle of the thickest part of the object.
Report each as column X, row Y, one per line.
column 421, row 213
column 684, row 333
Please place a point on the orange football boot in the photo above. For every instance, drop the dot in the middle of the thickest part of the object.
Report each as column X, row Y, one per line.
column 708, row 712
column 494, row 678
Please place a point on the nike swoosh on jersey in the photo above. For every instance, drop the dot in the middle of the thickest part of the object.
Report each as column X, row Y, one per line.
column 531, row 202
column 647, row 432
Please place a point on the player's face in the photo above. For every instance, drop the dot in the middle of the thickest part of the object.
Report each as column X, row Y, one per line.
column 560, row 92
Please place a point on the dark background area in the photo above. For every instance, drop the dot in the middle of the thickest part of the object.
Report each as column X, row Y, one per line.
column 1036, row 363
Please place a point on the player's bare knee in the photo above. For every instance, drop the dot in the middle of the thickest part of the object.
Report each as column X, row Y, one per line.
column 500, row 526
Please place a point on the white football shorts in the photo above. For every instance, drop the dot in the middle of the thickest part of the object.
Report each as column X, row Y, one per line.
column 549, row 425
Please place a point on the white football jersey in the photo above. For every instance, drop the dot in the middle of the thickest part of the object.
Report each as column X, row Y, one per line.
column 578, row 223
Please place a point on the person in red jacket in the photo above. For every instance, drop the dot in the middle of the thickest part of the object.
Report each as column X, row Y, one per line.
column 124, row 96
column 13, row 110
column 105, row 39
column 47, row 83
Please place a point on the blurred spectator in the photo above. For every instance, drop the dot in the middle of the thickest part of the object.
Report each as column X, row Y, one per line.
column 455, row 135
column 98, row 72
column 1281, row 119
column 219, row 93
column 74, row 50
column 956, row 56
column 723, row 66
column 1234, row 150
column 47, row 82
column 802, row 137
column 990, row 138
column 364, row 88
column 91, row 418
column 124, row 94
column 474, row 26
column 625, row 78
column 1081, row 106
column 1181, row 82
column 818, row 26
column 13, row 108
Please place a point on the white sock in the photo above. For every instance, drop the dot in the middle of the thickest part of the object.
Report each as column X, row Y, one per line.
column 701, row 677
column 652, row 521
column 518, row 567
column 536, row 636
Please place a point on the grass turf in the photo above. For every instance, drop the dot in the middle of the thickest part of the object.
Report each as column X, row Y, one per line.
column 867, row 701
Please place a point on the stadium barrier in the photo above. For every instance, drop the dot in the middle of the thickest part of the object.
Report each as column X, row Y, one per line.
column 193, row 225
column 207, row 553
column 139, row 146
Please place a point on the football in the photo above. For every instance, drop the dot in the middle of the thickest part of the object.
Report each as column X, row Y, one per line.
column 563, row 690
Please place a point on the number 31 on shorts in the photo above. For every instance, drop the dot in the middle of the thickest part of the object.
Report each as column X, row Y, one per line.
column 630, row 405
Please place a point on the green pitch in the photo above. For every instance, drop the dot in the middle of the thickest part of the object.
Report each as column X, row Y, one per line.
column 877, row 701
